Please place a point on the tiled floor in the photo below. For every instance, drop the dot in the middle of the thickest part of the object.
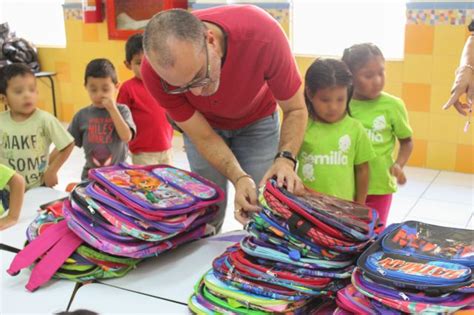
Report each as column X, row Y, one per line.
column 438, row 197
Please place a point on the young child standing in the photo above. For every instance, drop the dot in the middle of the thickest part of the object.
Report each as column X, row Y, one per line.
column 16, row 185
column 152, row 144
column 385, row 119
column 335, row 151
column 27, row 132
column 104, row 128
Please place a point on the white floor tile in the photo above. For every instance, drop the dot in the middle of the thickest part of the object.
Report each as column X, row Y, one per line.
column 450, row 193
column 420, row 174
column 449, row 213
column 455, row 179
column 413, row 188
column 470, row 224
column 400, row 208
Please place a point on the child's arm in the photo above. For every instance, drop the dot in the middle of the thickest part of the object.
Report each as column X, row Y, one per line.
column 362, row 182
column 406, row 147
column 53, row 155
column 17, row 190
column 56, row 160
column 120, row 125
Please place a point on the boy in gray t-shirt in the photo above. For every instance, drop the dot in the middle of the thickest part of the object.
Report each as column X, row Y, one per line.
column 104, row 128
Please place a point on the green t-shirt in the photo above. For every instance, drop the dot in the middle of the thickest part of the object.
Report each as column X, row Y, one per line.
column 6, row 174
column 24, row 146
column 329, row 153
column 385, row 120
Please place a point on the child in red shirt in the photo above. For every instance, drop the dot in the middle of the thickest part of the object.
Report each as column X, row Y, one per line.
column 152, row 143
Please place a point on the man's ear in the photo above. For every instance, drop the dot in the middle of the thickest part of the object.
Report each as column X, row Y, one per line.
column 128, row 65
column 211, row 37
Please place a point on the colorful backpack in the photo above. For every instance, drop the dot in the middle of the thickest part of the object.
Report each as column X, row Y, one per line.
column 330, row 222
column 428, row 241
column 417, row 267
column 409, row 301
column 235, row 300
column 45, row 233
column 157, row 191
column 235, row 264
column 300, row 251
column 420, row 256
column 107, row 227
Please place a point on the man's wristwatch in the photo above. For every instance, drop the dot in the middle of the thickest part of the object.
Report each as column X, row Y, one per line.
column 287, row 155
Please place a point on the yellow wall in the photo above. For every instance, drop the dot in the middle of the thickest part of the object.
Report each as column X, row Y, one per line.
column 423, row 79
column 84, row 43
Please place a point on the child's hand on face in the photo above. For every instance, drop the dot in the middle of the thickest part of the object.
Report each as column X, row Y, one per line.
column 50, row 178
column 108, row 103
column 397, row 171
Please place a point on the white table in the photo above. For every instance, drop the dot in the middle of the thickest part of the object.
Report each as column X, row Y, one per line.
column 16, row 235
column 15, row 299
column 174, row 274
column 104, row 299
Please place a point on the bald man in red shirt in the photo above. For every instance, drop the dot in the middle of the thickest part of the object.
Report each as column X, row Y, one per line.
column 219, row 73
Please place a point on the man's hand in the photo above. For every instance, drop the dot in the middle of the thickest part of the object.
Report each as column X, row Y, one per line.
column 50, row 178
column 463, row 84
column 282, row 170
column 397, row 171
column 245, row 199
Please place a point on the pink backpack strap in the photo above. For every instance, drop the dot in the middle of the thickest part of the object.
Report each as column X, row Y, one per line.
column 37, row 247
column 54, row 259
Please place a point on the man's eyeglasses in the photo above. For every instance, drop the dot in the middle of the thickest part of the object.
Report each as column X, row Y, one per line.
column 196, row 83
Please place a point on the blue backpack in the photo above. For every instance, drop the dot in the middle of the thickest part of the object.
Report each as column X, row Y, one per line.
column 421, row 256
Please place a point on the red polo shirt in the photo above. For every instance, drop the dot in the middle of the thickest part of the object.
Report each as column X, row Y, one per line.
column 154, row 133
column 259, row 68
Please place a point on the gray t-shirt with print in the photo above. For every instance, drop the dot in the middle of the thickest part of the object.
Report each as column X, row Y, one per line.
column 93, row 129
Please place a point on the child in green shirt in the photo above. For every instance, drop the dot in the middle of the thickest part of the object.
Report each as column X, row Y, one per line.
column 12, row 199
column 385, row 119
column 334, row 156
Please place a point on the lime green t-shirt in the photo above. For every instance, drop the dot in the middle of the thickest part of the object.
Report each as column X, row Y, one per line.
column 329, row 154
column 6, row 174
column 24, row 146
column 385, row 120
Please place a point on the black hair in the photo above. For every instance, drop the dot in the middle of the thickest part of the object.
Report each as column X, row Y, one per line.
column 133, row 46
column 100, row 68
column 326, row 73
column 358, row 55
column 10, row 71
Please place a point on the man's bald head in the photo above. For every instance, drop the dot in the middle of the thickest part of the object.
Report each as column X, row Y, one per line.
column 167, row 27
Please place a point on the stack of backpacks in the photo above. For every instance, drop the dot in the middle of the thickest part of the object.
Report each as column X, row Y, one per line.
column 413, row 267
column 122, row 215
column 300, row 250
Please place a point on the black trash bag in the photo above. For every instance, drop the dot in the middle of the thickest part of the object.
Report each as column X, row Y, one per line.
column 22, row 51
column 16, row 50
column 4, row 34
